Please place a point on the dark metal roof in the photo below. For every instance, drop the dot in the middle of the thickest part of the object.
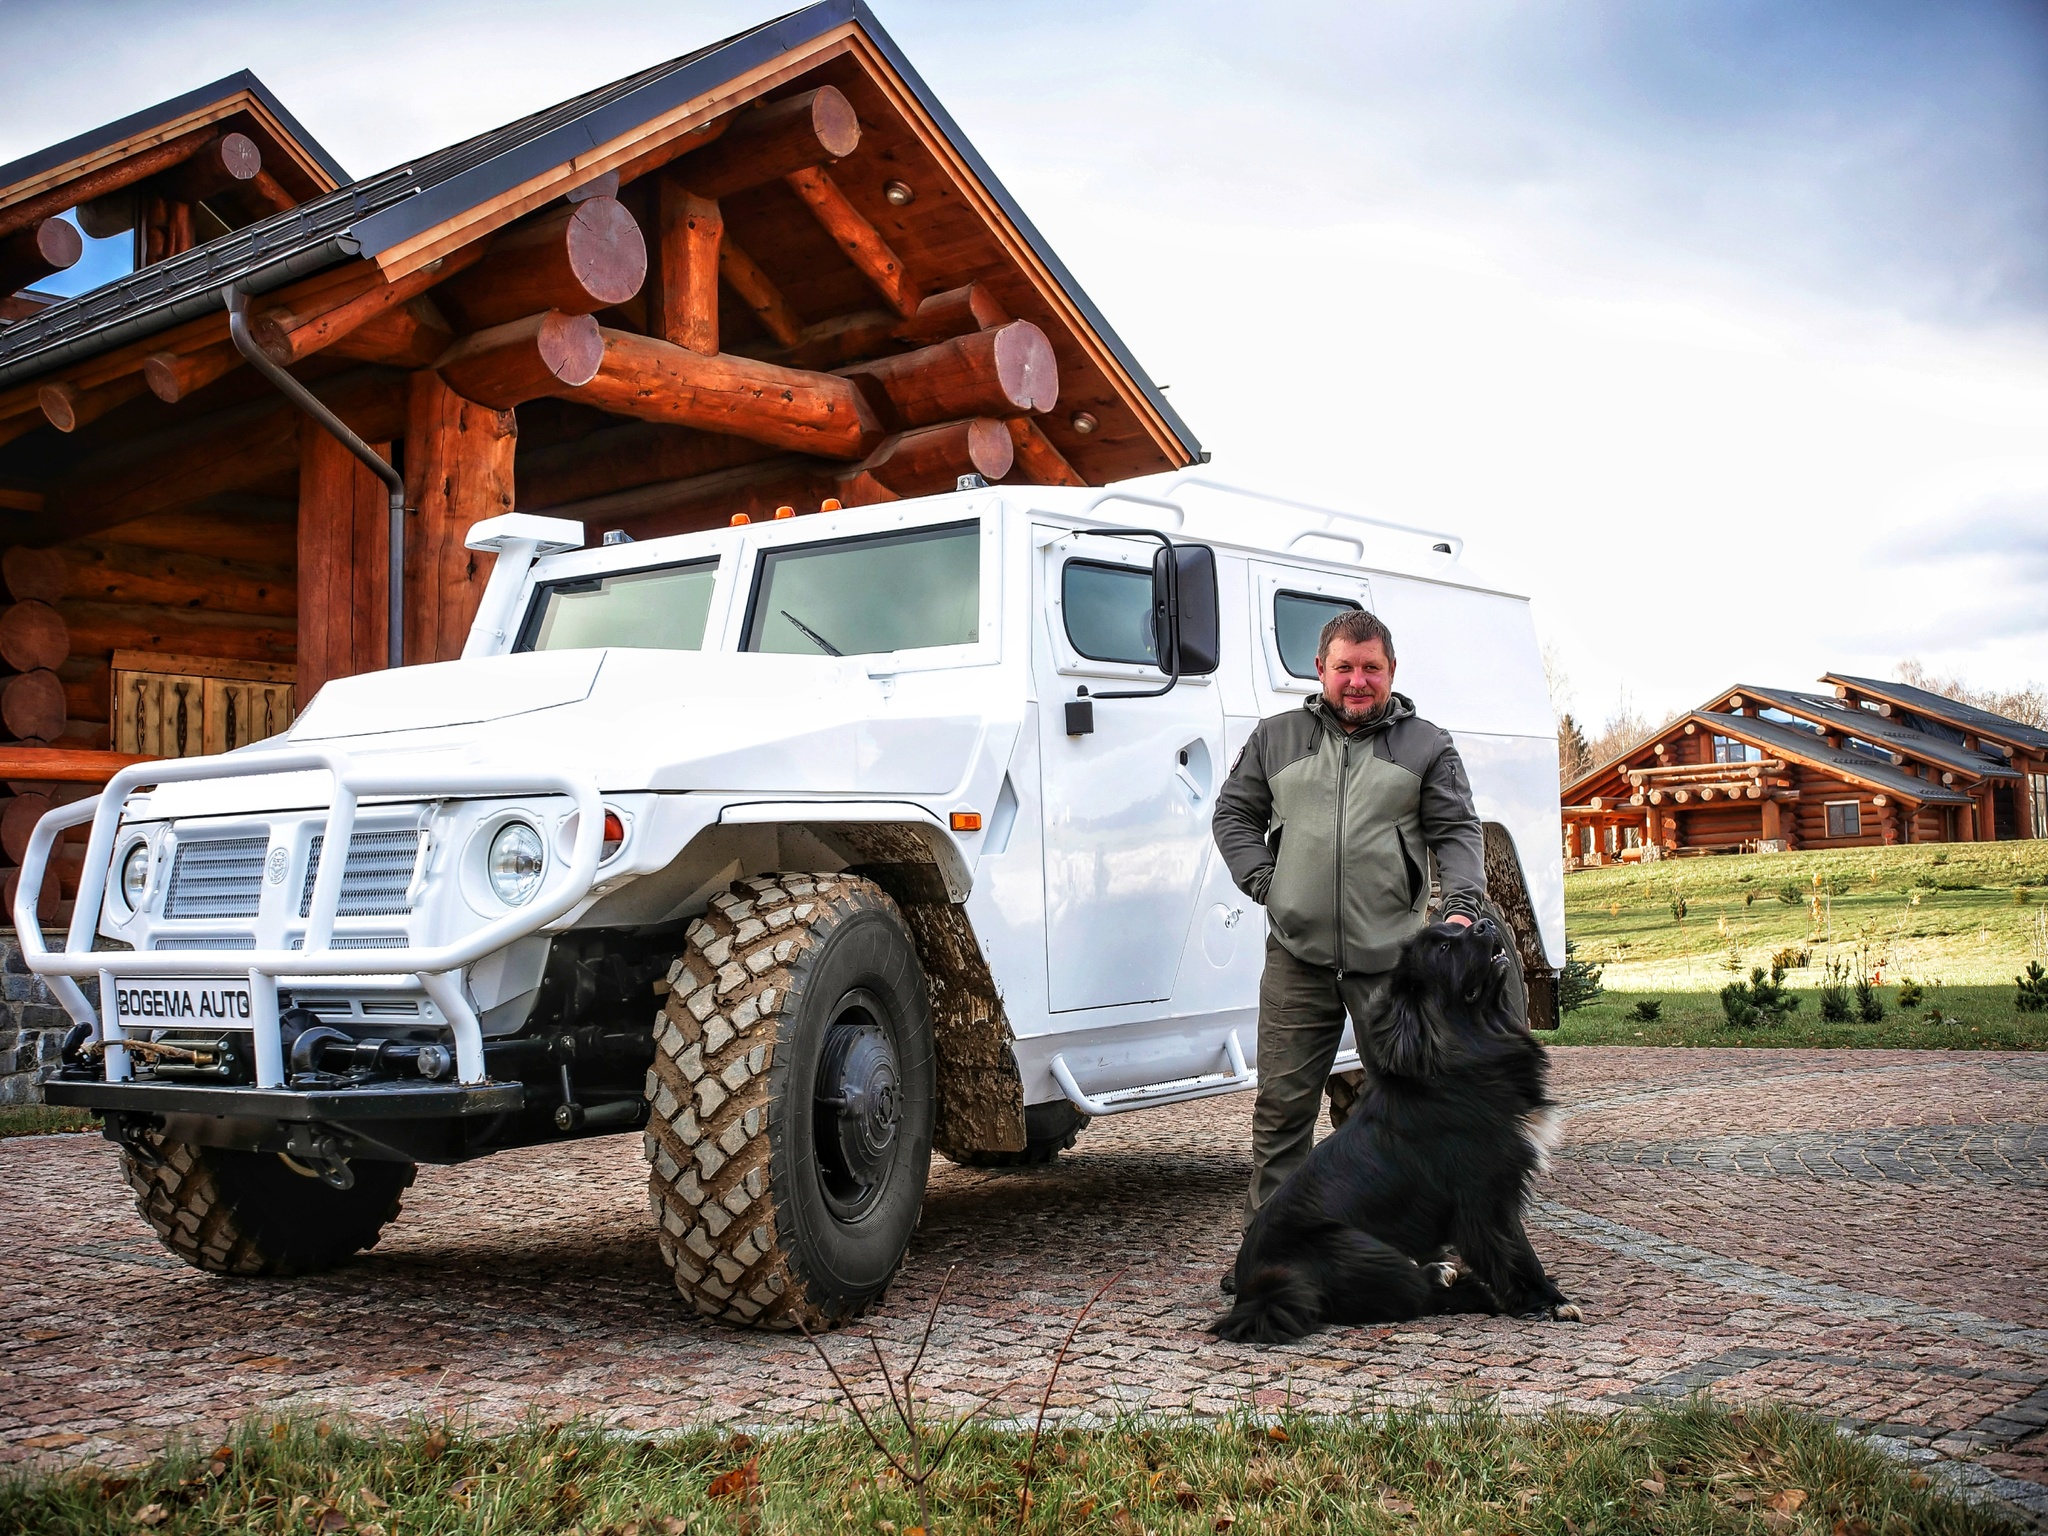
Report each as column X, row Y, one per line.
column 1790, row 741
column 166, row 111
column 1875, row 728
column 383, row 211
column 1968, row 716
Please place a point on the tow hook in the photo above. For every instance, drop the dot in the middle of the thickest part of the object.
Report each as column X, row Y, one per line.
column 131, row 1134
column 316, row 1153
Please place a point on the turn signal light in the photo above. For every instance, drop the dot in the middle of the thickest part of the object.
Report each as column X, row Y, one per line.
column 829, row 504
column 782, row 512
column 740, row 520
column 967, row 821
column 614, row 834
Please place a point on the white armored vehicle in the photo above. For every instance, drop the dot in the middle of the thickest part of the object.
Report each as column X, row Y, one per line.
column 802, row 848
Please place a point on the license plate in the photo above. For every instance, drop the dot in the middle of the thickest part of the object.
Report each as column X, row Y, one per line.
column 154, row 1003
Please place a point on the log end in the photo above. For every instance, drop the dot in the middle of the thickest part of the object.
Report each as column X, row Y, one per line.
column 607, row 250
column 240, row 157
column 160, row 372
column 58, row 243
column 60, row 405
column 32, row 635
column 990, row 449
column 32, row 706
column 571, row 347
column 35, row 575
column 836, row 123
column 1025, row 365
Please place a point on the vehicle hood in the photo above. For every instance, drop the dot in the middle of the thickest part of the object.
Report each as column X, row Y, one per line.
column 634, row 720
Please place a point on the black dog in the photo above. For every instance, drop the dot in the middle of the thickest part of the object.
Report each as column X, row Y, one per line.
column 1435, row 1158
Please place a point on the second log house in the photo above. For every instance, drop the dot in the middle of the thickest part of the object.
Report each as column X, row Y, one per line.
column 765, row 274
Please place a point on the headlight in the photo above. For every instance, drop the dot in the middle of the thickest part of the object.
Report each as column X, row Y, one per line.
column 515, row 863
column 135, row 876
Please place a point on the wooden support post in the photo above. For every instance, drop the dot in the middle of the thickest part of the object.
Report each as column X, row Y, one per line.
column 1042, row 463
column 684, row 307
column 344, row 537
column 325, row 311
column 508, row 365
column 1006, row 372
column 858, row 238
column 815, row 413
column 578, row 258
column 458, row 471
column 172, row 376
column 759, row 293
column 770, row 141
column 1773, row 826
column 67, row 407
column 34, row 252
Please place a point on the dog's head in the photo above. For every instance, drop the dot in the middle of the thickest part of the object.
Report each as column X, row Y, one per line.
column 1447, row 996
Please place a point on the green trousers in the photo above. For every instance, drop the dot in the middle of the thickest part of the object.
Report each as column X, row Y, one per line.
column 1302, row 1009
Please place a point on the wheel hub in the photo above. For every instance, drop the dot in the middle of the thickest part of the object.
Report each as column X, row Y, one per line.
column 857, row 1110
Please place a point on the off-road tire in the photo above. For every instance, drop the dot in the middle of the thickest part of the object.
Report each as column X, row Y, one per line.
column 736, row 1183
column 250, row 1213
column 1049, row 1130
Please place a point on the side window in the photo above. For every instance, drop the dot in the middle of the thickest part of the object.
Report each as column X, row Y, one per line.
column 857, row 597
column 1298, row 621
column 1109, row 611
column 663, row 609
column 1845, row 818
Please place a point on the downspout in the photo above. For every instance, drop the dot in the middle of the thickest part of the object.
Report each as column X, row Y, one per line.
column 335, row 427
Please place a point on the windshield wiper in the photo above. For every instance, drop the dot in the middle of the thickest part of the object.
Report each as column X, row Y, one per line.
column 812, row 635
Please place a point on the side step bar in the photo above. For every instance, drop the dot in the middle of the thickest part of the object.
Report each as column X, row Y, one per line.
column 1236, row 1077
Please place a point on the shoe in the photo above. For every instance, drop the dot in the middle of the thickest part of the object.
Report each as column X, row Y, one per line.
column 1228, row 1284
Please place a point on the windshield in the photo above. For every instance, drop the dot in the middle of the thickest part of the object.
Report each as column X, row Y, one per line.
column 663, row 609
column 855, row 597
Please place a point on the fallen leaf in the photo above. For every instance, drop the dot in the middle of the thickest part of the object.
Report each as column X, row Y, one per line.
column 1855, row 1527
column 152, row 1514
column 435, row 1446
column 1653, row 1486
column 1224, row 1522
column 913, row 1530
column 1394, row 1504
column 1742, row 1496
column 886, row 1527
column 1276, row 1433
column 322, row 1430
column 1152, row 1482
column 370, row 1528
column 742, row 1479
column 222, row 1453
column 460, row 1490
column 1786, row 1501
column 1775, row 1520
column 369, row 1497
column 671, row 1526
column 1085, row 1508
column 1918, row 1480
column 330, row 1520
column 740, row 1442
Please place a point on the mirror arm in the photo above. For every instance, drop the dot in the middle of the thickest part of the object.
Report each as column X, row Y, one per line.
column 1172, row 636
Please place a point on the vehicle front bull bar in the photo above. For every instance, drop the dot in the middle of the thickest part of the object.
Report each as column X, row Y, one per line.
column 437, row 967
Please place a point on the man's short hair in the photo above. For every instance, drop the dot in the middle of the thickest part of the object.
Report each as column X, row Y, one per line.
column 1356, row 626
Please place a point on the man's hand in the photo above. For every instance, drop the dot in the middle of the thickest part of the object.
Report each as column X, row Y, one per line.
column 1459, row 920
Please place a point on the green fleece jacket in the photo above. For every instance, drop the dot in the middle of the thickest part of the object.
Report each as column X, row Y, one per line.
column 1331, row 831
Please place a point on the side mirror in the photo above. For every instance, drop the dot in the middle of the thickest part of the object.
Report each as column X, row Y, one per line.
column 1184, row 610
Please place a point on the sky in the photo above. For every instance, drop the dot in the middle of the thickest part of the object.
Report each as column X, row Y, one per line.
column 1720, row 329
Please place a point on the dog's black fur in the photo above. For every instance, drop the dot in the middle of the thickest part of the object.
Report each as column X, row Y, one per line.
column 1434, row 1160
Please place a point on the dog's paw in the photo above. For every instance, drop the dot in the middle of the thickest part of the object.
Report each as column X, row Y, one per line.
column 1566, row 1312
column 1443, row 1272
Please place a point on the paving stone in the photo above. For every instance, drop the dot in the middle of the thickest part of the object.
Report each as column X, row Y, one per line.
column 1853, row 1232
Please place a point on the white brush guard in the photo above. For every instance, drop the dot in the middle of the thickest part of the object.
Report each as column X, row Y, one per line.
column 437, row 968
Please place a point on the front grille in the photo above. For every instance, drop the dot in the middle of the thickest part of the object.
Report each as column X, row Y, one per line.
column 375, row 879
column 357, row 941
column 205, row 941
column 216, row 879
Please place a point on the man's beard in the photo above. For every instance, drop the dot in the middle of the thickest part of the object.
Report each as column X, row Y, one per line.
column 1363, row 716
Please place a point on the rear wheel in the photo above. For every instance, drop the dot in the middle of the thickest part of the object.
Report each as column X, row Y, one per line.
column 791, row 1132
column 253, row 1213
column 1049, row 1130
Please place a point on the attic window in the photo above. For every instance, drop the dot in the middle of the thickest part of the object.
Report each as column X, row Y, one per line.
column 1728, row 750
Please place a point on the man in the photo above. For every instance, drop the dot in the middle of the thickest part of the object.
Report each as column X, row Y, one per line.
column 1328, row 820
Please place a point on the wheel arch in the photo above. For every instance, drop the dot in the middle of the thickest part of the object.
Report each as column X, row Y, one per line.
column 1509, row 890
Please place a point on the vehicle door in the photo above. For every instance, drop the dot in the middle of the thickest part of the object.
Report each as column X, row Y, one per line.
column 1127, row 801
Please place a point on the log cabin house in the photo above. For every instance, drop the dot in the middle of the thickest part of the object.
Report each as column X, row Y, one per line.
column 743, row 282
column 1867, row 764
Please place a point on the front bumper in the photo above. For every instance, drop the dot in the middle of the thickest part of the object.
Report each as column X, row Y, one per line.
column 379, row 1101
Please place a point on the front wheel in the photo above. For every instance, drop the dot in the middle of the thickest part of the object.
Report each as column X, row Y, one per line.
column 792, row 1090
column 1049, row 1130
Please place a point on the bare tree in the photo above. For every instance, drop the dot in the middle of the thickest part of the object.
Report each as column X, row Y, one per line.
column 2028, row 705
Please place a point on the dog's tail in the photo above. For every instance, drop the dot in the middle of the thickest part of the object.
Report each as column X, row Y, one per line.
column 1351, row 1278
column 1275, row 1303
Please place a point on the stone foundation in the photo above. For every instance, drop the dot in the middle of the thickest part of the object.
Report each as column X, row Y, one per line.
column 32, row 1023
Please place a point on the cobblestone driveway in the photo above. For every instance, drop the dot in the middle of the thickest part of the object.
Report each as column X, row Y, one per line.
column 1856, row 1232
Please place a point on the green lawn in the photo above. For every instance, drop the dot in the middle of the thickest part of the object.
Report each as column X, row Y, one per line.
column 1979, row 1018
column 42, row 1120
column 1690, row 1469
column 1935, row 913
